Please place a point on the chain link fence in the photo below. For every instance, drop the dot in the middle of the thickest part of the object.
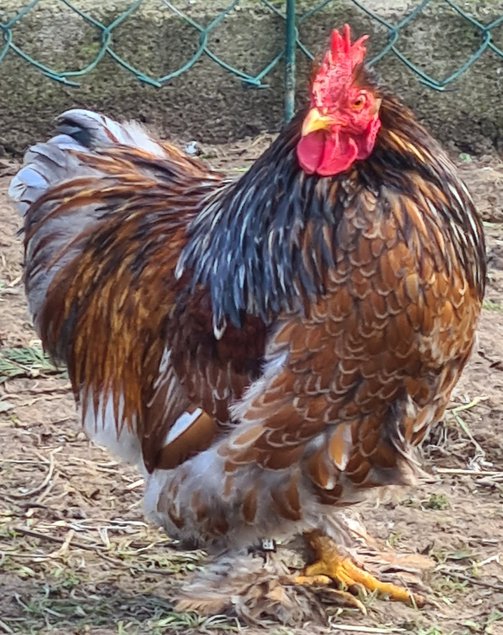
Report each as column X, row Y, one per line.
column 289, row 46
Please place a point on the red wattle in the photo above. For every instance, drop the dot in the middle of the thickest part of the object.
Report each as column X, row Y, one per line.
column 310, row 151
column 328, row 153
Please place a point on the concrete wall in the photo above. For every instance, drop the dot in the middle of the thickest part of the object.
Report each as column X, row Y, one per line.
column 208, row 104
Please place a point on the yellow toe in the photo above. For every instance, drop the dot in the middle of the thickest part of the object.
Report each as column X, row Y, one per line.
column 330, row 566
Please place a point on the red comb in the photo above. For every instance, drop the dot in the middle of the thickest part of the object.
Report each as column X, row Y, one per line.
column 337, row 67
column 342, row 50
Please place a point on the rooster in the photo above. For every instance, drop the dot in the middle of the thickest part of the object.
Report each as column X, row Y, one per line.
column 268, row 349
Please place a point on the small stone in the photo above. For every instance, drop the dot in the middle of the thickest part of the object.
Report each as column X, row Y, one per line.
column 192, row 149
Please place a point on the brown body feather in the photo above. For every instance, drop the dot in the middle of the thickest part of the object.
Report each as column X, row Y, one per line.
column 310, row 355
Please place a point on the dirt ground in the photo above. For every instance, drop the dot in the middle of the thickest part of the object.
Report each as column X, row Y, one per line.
column 77, row 557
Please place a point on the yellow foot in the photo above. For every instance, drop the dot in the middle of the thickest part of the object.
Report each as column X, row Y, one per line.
column 330, row 566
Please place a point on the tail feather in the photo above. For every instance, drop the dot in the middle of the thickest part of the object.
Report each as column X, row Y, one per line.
column 60, row 237
column 93, row 131
column 45, row 164
column 51, row 163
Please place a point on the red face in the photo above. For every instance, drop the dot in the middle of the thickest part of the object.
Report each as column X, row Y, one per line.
column 343, row 121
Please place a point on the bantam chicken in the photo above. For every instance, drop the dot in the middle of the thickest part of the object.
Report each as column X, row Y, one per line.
column 268, row 349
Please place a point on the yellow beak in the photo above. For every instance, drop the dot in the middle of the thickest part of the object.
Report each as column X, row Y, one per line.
column 316, row 121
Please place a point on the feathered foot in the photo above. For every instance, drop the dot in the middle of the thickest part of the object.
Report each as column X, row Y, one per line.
column 331, row 566
column 257, row 589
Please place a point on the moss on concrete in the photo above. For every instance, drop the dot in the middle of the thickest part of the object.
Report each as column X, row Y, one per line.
column 210, row 105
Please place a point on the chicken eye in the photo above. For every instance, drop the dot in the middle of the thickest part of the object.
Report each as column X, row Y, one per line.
column 359, row 102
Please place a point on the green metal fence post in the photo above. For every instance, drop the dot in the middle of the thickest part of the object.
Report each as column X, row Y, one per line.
column 290, row 51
